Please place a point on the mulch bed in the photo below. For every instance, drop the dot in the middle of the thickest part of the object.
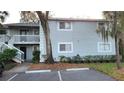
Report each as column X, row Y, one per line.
column 56, row 66
column 121, row 71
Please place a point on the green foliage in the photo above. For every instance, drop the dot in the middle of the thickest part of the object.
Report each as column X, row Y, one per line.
column 99, row 58
column 2, row 65
column 65, row 59
column 88, row 59
column 77, row 59
column 107, row 68
column 36, row 56
column 61, row 58
column 7, row 55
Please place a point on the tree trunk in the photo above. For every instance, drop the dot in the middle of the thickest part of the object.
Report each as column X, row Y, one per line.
column 45, row 25
column 116, row 41
column 118, row 63
column 49, row 58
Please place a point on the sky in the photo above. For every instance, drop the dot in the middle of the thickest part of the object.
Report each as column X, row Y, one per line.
column 14, row 15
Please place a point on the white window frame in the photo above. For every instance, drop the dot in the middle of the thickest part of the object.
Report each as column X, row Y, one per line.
column 65, row 51
column 102, row 51
column 67, row 30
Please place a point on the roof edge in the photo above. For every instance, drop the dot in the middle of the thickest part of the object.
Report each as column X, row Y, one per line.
column 76, row 19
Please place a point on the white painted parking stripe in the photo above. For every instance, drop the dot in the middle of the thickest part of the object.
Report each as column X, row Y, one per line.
column 76, row 69
column 12, row 77
column 60, row 77
column 37, row 71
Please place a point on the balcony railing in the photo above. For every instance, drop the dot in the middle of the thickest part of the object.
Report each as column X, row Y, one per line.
column 25, row 39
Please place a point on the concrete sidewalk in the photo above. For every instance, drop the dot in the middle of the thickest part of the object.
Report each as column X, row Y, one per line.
column 19, row 68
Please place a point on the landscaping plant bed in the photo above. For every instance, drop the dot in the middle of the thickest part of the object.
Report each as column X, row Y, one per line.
column 56, row 66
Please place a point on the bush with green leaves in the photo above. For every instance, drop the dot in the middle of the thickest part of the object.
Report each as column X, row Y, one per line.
column 65, row 59
column 36, row 57
column 76, row 59
column 7, row 55
column 99, row 58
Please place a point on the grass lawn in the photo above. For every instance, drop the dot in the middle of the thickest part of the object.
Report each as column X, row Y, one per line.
column 108, row 68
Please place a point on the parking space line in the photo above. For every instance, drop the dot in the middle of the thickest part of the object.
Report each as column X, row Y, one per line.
column 77, row 69
column 37, row 71
column 60, row 77
column 12, row 77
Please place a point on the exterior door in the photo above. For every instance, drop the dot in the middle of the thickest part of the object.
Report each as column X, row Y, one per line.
column 24, row 50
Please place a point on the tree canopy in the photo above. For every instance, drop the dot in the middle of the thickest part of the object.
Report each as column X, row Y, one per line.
column 3, row 15
column 28, row 17
column 106, row 29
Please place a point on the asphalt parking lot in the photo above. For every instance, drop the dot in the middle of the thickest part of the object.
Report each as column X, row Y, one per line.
column 63, row 75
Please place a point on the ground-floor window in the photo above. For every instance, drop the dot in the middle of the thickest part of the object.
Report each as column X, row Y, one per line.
column 104, row 47
column 65, row 47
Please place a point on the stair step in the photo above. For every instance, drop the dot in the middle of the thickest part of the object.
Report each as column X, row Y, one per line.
column 17, row 60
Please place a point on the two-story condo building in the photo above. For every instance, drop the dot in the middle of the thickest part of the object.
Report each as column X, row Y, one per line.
column 69, row 37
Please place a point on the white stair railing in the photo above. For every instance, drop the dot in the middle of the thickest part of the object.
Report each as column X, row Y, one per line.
column 4, row 38
column 20, row 54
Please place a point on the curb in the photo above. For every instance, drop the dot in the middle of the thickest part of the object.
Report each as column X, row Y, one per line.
column 37, row 71
column 77, row 69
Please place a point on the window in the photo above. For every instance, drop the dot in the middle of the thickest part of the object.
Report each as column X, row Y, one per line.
column 65, row 26
column 104, row 47
column 65, row 47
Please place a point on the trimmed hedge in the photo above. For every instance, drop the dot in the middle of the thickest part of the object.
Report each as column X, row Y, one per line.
column 88, row 59
column 99, row 58
column 65, row 59
column 77, row 59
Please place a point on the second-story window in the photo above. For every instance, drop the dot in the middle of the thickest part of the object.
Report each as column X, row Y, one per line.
column 65, row 26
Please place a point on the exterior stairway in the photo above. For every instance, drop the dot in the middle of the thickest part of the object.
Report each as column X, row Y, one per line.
column 19, row 58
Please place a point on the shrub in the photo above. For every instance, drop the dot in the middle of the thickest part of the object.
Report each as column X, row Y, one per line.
column 7, row 55
column 99, row 58
column 87, row 59
column 36, row 56
column 61, row 58
column 68, row 59
column 65, row 59
column 76, row 59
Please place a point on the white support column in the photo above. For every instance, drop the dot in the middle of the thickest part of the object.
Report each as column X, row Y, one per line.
column 42, row 44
